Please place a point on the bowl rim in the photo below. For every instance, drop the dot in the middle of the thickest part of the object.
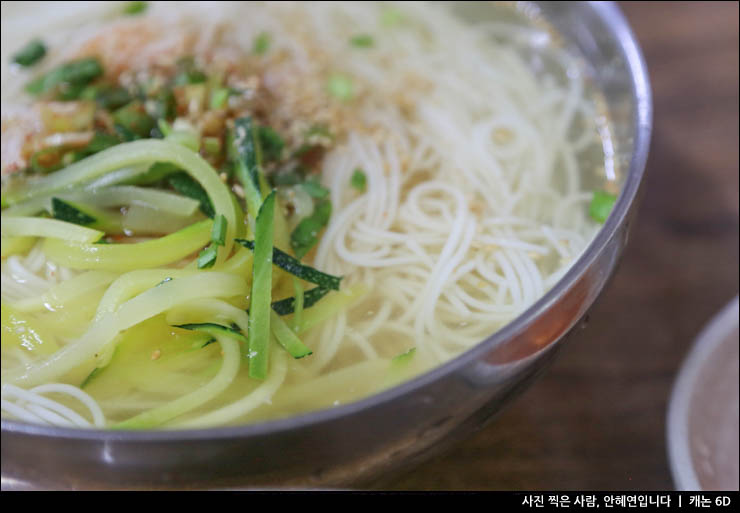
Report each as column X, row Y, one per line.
column 608, row 12
column 713, row 334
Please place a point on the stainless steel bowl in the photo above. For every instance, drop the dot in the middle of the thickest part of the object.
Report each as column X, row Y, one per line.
column 355, row 443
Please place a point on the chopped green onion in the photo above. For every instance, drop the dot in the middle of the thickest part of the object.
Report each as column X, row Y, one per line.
column 601, row 205
column 134, row 8
column 124, row 133
column 305, row 272
column 163, row 106
column 289, row 305
column 219, row 97
column 30, row 54
column 99, row 142
column 306, row 234
column 271, row 143
column 362, row 41
column 261, row 43
column 404, row 357
column 340, row 86
column 218, row 232
column 107, row 97
column 188, row 73
column 70, row 78
column 259, row 318
column 391, row 17
column 207, row 257
column 134, row 118
column 212, row 145
column 358, row 180
column 187, row 186
column 315, row 189
column 293, row 177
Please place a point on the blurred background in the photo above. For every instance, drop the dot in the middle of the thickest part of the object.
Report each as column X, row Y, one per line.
column 597, row 418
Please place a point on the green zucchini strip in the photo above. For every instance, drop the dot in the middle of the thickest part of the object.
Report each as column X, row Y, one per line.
column 86, row 216
column 127, row 257
column 105, row 327
column 214, row 330
column 259, row 317
column 226, row 374
column 287, row 338
column 124, row 195
column 52, row 228
column 131, row 154
column 290, row 305
column 287, row 263
column 246, row 155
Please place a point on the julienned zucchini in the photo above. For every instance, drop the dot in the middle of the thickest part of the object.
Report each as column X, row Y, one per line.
column 215, row 330
column 311, row 297
column 282, row 333
column 85, row 215
column 294, row 267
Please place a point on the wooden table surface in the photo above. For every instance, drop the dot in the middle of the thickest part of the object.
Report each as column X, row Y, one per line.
column 596, row 419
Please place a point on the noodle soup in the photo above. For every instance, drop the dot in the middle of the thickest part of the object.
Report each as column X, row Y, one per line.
column 210, row 223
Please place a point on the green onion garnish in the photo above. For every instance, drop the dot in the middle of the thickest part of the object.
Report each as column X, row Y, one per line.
column 259, row 309
column 271, row 143
column 306, row 234
column 207, row 257
column 289, row 264
column 261, row 43
column 212, row 145
column 70, row 78
column 134, row 8
column 404, row 357
column 134, row 118
column 30, row 54
column 108, row 97
column 218, row 232
column 390, row 17
column 315, row 189
column 601, row 205
column 362, row 41
column 219, row 97
column 358, row 180
column 188, row 73
column 340, row 86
